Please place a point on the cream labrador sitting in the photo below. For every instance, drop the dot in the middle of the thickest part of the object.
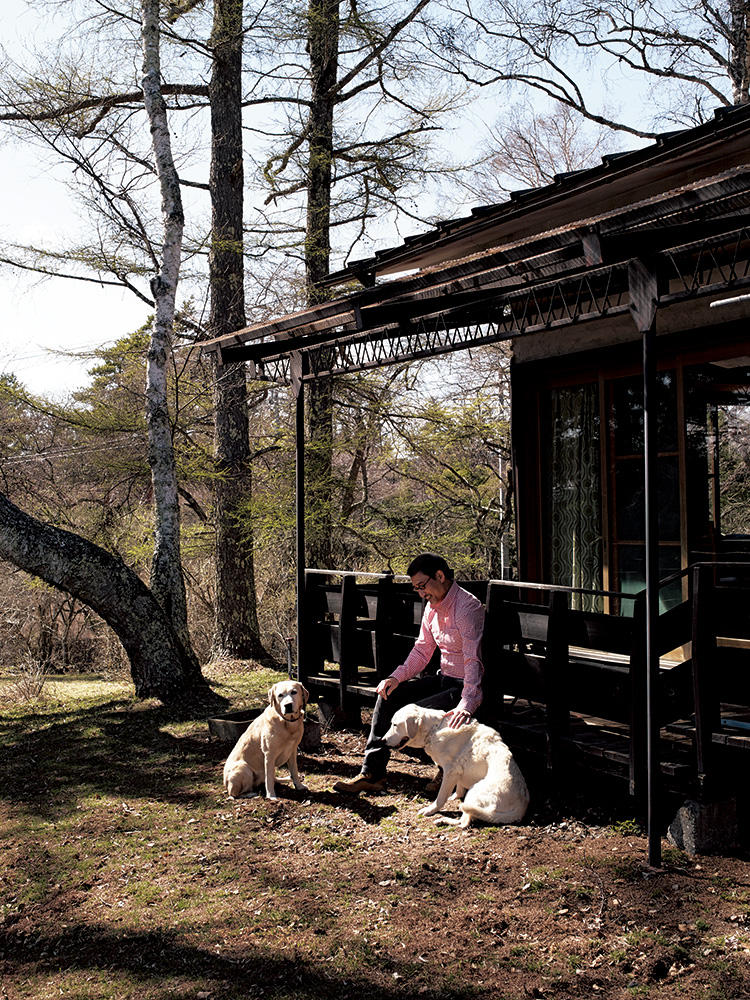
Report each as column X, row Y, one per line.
column 268, row 742
column 474, row 760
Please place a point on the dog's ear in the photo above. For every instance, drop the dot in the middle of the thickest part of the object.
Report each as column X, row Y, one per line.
column 413, row 723
column 305, row 695
column 272, row 695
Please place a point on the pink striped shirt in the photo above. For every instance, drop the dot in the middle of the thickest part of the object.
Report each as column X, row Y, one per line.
column 455, row 626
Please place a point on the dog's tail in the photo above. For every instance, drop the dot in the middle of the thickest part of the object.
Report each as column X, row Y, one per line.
column 501, row 796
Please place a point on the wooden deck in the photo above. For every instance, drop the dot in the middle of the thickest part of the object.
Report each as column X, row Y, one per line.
column 565, row 686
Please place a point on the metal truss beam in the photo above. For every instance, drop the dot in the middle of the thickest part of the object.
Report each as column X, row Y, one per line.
column 703, row 268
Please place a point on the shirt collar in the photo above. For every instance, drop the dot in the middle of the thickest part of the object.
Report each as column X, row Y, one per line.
column 448, row 602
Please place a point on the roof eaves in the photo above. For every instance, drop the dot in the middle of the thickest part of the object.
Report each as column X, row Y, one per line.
column 484, row 215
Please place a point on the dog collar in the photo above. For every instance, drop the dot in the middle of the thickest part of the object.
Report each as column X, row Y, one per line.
column 290, row 718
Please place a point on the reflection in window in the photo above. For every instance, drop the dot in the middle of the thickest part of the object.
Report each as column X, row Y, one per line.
column 732, row 423
column 575, row 488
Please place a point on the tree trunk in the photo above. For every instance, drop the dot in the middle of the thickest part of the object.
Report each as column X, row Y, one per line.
column 160, row 665
column 323, row 44
column 236, row 633
column 167, row 582
column 739, row 54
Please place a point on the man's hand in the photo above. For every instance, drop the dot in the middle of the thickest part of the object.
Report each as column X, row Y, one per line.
column 458, row 718
column 385, row 687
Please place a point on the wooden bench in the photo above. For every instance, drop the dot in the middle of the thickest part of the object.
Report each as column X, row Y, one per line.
column 354, row 634
column 566, row 685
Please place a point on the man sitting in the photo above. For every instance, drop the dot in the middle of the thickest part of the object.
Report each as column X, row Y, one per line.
column 452, row 621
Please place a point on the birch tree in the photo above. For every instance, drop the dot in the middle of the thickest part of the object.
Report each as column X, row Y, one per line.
column 167, row 583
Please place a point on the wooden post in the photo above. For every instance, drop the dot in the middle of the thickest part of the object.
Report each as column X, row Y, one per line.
column 493, row 702
column 638, row 770
column 384, row 657
column 706, row 699
column 555, row 667
column 347, row 640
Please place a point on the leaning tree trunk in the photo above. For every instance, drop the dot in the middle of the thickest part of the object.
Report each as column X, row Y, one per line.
column 167, row 582
column 236, row 628
column 323, row 44
column 160, row 665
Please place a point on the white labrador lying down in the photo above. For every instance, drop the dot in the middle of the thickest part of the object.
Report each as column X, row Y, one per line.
column 268, row 742
column 474, row 760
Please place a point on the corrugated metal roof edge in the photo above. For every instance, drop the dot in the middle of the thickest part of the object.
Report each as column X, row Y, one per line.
column 563, row 183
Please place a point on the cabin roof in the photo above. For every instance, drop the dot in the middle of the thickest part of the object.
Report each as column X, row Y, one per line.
column 546, row 258
column 673, row 160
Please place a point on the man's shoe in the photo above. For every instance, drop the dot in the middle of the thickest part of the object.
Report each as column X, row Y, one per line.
column 362, row 783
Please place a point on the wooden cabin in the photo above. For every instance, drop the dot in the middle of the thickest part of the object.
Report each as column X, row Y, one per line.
column 624, row 291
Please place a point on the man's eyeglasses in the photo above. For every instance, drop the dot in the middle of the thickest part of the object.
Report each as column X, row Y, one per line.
column 421, row 587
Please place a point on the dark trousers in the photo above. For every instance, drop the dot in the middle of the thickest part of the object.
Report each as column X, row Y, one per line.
column 434, row 691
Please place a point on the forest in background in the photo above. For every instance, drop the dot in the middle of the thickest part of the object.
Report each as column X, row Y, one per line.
column 421, row 461
column 304, row 136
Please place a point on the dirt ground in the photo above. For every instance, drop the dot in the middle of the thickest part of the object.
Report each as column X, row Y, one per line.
column 126, row 872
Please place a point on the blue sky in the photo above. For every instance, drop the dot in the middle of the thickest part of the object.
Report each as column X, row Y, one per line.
column 42, row 317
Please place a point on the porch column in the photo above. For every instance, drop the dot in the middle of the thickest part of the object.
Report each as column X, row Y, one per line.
column 643, row 302
column 298, row 387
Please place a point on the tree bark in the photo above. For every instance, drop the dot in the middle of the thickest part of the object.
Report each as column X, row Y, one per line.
column 237, row 632
column 323, row 44
column 160, row 665
column 739, row 52
column 167, row 582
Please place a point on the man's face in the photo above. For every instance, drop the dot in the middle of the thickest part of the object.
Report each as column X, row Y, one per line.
column 432, row 588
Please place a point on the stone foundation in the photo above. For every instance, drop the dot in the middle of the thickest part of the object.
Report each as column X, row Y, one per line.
column 705, row 827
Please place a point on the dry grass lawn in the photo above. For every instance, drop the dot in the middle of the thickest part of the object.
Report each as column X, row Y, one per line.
column 125, row 872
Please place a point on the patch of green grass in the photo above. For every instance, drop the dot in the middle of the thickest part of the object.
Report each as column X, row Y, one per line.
column 640, row 936
column 333, row 842
column 541, row 878
column 626, row 869
column 737, row 895
column 525, row 957
column 390, row 824
column 627, row 828
column 673, row 857
column 243, row 687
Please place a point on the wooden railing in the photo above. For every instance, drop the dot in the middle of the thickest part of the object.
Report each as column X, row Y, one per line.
column 566, row 684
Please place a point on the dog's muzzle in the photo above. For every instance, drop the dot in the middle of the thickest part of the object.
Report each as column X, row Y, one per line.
column 288, row 710
column 381, row 741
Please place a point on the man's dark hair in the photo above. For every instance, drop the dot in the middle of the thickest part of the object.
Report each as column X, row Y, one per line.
column 429, row 563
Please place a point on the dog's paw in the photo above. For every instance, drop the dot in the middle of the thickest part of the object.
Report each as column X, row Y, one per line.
column 302, row 788
column 272, row 798
column 429, row 810
column 446, row 821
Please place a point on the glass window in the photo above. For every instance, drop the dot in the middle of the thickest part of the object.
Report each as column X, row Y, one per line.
column 574, row 494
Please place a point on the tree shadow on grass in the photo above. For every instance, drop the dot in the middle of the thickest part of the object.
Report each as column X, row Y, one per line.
column 166, row 966
column 368, row 809
column 121, row 746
